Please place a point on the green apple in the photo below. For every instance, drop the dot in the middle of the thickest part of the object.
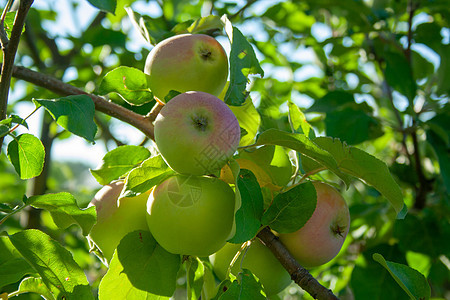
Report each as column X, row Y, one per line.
column 258, row 259
column 191, row 215
column 187, row 62
column 321, row 238
column 114, row 221
column 196, row 133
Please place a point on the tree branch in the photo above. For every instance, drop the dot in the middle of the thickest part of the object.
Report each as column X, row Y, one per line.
column 9, row 53
column 142, row 123
column 300, row 275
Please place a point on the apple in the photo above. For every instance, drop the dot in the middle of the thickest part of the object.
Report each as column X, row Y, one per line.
column 258, row 259
column 114, row 221
column 191, row 215
column 187, row 62
column 196, row 133
column 321, row 238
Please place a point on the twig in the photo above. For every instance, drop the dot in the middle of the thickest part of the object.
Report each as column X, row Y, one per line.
column 9, row 54
column 300, row 275
column 57, row 86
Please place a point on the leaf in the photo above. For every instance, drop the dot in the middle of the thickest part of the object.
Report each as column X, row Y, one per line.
column 119, row 161
column 150, row 173
column 300, row 143
column 369, row 281
column 298, row 121
column 58, row 270
column 4, row 130
column 199, row 25
column 73, row 113
column 352, row 125
column 410, row 280
column 399, row 76
column 105, row 5
column 249, row 120
column 243, row 62
column 35, row 285
column 65, row 211
column 248, row 216
column 292, row 209
column 140, row 269
column 13, row 265
column 129, row 83
column 26, row 153
column 9, row 23
column 195, row 270
column 247, row 286
column 366, row 167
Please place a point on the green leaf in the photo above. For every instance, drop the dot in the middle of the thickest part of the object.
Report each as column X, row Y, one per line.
column 300, row 143
column 35, row 285
column 298, row 121
column 150, row 173
column 369, row 281
column 248, row 216
column 129, row 83
column 243, row 62
column 13, row 265
column 199, row 25
column 73, row 113
column 9, row 23
column 58, row 270
column 105, row 5
column 4, row 130
column 292, row 209
column 410, row 280
column 247, row 286
column 65, row 211
column 352, row 125
column 119, row 161
column 332, row 101
column 26, row 153
column 432, row 228
column 366, row 167
column 14, row 119
column 249, row 120
column 140, row 269
column 195, row 270
column 399, row 75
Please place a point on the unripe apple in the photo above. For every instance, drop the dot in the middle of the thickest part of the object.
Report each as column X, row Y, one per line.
column 191, row 215
column 114, row 221
column 196, row 133
column 321, row 238
column 187, row 62
column 258, row 259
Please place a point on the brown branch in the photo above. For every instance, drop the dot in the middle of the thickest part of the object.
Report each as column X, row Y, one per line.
column 300, row 275
column 57, row 86
column 9, row 49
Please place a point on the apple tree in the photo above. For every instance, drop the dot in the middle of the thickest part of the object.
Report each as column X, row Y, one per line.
column 224, row 149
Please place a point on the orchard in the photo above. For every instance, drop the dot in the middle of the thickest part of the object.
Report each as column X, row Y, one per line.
column 225, row 149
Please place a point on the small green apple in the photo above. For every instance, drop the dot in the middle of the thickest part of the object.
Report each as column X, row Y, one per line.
column 258, row 259
column 187, row 62
column 191, row 215
column 196, row 133
column 322, row 237
column 114, row 221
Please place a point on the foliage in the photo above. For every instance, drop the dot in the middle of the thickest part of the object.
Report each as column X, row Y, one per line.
column 355, row 92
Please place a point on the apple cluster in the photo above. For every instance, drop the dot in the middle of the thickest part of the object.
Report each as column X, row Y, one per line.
column 192, row 212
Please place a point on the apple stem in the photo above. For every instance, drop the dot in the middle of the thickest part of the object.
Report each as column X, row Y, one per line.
column 300, row 275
